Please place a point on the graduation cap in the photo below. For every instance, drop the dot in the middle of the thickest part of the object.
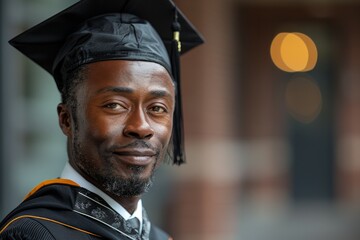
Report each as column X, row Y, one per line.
column 97, row 30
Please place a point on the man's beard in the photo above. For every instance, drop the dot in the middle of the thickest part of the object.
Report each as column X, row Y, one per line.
column 105, row 178
column 120, row 186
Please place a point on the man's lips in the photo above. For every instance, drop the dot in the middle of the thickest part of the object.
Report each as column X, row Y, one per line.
column 135, row 156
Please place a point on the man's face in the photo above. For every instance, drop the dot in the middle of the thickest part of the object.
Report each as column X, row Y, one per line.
column 123, row 124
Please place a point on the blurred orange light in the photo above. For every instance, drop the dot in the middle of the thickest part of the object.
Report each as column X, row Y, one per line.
column 293, row 52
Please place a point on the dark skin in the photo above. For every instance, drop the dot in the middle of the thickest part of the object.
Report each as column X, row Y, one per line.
column 124, row 122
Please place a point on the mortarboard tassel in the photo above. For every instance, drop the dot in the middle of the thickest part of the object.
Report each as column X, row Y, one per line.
column 178, row 131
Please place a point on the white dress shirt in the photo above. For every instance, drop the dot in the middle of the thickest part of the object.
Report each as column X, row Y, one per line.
column 70, row 173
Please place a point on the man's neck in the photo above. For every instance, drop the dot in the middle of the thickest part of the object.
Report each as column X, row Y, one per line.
column 129, row 203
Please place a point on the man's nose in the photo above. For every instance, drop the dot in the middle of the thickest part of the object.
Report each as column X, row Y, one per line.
column 137, row 125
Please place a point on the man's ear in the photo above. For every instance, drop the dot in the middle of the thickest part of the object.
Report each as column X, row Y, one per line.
column 64, row 115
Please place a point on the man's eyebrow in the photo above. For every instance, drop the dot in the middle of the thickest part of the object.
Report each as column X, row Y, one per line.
column 154, row 93
column 160, row 93
column 116, row 90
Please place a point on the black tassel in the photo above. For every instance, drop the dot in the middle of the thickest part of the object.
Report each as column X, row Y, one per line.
column 178, row 130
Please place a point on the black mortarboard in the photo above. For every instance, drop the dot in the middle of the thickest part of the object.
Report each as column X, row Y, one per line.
column 96, row 30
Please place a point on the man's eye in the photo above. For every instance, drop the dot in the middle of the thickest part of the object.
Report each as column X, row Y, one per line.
column 158, row 109
column 113, row 106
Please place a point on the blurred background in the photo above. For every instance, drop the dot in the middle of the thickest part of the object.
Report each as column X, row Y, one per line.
column 271, row 154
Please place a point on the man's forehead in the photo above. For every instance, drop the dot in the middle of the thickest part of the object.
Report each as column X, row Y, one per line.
column 128, row 74
column 127, row 68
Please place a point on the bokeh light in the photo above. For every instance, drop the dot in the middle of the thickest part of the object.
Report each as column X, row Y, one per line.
column 293, row 52
column 303, row 99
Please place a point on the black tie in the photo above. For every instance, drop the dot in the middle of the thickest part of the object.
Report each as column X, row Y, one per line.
column 133, row 224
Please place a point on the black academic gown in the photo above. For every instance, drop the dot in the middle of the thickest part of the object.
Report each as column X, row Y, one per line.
column 62, row 210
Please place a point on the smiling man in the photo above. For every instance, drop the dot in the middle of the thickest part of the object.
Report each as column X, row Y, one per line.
column 115, row 63
column 126, row 112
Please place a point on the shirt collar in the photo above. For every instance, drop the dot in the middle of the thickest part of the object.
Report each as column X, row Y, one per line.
column 70, row 173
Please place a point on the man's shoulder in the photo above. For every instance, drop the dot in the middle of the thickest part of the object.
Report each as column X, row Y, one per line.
column 38, row 216
column 29, row 227
column 48, row 213
column 25, row 228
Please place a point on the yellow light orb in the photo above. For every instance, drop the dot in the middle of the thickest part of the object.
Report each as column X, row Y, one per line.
column 293, row 52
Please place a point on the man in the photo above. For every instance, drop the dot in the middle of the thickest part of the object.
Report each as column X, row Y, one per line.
column 115, row 63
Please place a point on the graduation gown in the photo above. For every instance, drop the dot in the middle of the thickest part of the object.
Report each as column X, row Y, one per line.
column 60, row 209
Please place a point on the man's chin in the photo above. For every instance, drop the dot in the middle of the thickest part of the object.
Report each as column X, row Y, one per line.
column 133, row 185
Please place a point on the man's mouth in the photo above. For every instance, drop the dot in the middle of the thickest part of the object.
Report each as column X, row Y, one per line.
column 138, row 157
